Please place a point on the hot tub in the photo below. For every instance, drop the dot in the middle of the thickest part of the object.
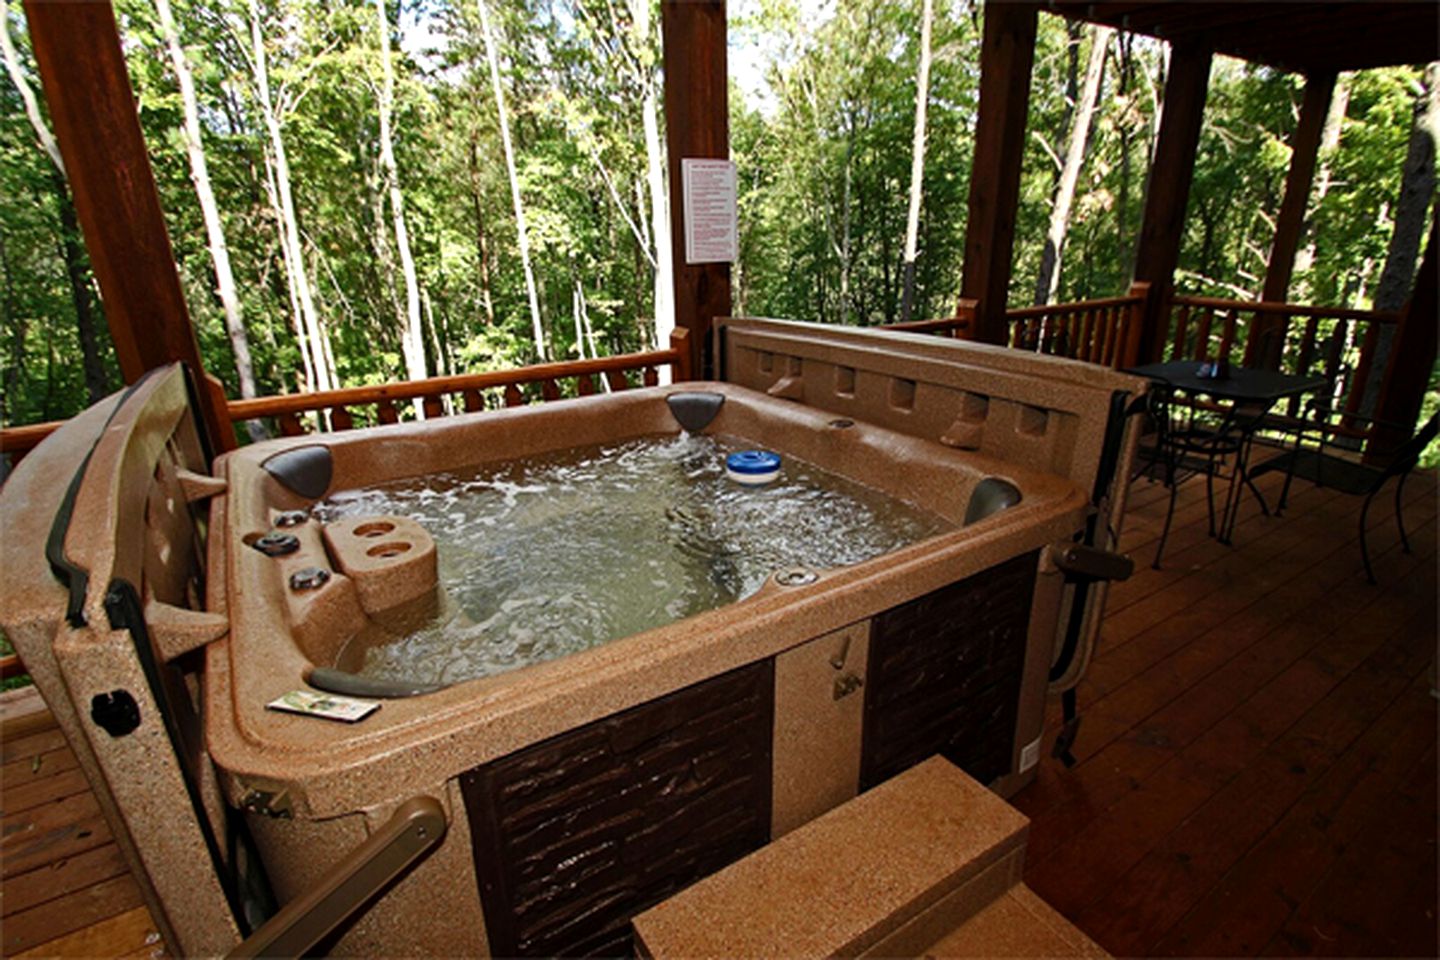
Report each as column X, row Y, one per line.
column 583, row 789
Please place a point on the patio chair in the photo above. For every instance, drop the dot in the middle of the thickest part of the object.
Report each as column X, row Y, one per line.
column 1187, row 444
column 1348, row 475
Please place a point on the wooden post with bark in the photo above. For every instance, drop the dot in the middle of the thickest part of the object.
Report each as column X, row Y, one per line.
column 1304, row 152
column 1158, row 251
column 1006, row 57
column 87, row 85
column 697, row 125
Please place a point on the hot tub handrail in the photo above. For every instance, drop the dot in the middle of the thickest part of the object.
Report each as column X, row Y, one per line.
column 288, row 408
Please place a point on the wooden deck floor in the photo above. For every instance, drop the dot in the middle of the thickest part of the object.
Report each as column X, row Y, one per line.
column 1257, row 768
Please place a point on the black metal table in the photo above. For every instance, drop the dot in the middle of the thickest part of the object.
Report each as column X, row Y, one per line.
column 1257, row 390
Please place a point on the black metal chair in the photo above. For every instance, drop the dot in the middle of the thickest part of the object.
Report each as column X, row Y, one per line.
column 1350, row 476
column 1191, row 440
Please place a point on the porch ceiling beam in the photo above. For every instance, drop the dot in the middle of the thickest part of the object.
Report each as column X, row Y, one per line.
column 1006, row 56
column 87, row 87
column 1166, row 195
column 697, row 125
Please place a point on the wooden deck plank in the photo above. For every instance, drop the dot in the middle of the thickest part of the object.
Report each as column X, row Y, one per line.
column 23, row 712
column 128, row 934
column 61, row 878
column 1379, row 898
column 1240, row 915
column 1156, row 893
column 1150, row 738
column 83, row 908
column 41, row 835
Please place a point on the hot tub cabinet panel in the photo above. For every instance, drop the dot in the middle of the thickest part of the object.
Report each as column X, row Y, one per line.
column 944, row 676
column 575, row 835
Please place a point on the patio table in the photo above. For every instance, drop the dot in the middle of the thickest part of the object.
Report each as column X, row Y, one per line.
column 1256, row 389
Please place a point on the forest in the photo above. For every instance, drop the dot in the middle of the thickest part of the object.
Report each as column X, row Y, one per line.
column 360, row 191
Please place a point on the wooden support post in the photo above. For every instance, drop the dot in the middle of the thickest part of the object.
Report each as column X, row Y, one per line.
column 1168, row 191
column 87, row 87
column 1006, row 56
column 1305, row 150
column 1412, row 355
column 697, row 125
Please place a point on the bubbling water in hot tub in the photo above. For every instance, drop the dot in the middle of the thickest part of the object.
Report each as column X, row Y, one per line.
column 554, row 554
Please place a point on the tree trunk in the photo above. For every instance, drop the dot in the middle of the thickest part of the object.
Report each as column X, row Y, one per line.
column 289, row 226
column 77, row 272
column 493, row 57
column 1048, row 279
column 1329, row 143
column 210, row 213
column 655, row 181
column 1412, row 210
column 917, row 162
column 412, row 337
column 97, row 383
column 297, row 320
column 19, row 327
column 482, row 245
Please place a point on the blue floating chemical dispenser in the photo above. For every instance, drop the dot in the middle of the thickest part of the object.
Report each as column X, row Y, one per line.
column 752, row 467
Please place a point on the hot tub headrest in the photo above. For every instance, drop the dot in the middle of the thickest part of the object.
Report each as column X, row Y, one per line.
column 305, row 471
column 695, row 410
column 989, row 497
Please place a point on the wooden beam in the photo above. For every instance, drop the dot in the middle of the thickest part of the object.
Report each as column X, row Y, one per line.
column 697, row 125
column 1304, row 149
column 1007, row 54
column 1168, row 191
column 87, row 87
column 1412, row 354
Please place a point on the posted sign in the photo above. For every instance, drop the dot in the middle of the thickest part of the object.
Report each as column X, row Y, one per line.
column 709, row 191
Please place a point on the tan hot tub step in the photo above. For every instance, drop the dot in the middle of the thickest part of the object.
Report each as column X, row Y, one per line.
column 929, row 861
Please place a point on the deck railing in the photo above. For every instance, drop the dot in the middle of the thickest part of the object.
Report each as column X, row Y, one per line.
column 1105, row 331
column 1336, row 344
column 298, row 413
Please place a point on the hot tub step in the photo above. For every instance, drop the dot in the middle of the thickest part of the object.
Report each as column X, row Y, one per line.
column 927, row 861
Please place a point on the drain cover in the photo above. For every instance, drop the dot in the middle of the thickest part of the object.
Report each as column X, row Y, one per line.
column 796, row 577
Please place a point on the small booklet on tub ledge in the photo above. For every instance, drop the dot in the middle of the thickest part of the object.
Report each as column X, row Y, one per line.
column 328, row 706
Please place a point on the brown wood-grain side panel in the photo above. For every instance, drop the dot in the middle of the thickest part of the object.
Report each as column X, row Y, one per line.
column 576, row 835
column 944, row 675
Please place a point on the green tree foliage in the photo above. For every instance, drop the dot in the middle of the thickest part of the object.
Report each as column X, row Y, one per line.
column 821, row 137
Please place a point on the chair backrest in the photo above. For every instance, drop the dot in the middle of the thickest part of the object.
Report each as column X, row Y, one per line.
column 1408, row 453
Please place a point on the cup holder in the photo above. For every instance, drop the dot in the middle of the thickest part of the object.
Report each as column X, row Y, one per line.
column 377, row 528
column 392, row 549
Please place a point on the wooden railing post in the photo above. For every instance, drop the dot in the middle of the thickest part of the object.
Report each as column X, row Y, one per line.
column 1134, row 322
column 967, row 312
column 683, row 368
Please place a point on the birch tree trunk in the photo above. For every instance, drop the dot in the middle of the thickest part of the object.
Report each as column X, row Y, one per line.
column 917, row 162
column 289, row 227
column 1417, row 191
column 1329, row 143
column 482, row 245
column 297, row 320
column 97, row 382
column 210, row 213
column 655, row 181
column 1048, row 279
column 1412, row 211
column 492, row 56
column 412, row 337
